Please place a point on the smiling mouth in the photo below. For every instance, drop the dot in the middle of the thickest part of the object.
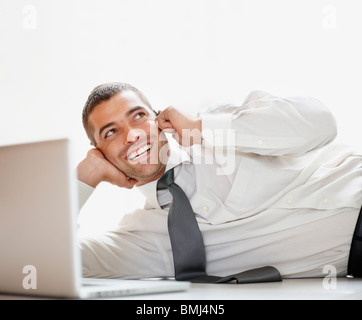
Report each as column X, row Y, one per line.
column 139, row 152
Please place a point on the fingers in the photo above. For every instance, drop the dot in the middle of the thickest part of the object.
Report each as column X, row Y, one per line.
column 171, row 120
column 164, row 120
column 185, row 129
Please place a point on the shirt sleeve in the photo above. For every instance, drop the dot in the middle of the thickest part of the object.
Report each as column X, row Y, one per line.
column 268, row 125
column 84, row 192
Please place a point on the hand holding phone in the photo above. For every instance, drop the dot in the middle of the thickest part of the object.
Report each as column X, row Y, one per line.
column 186, row 129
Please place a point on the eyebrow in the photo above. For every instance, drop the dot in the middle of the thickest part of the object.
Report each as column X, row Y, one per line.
column 104, row 128
column 110, row 124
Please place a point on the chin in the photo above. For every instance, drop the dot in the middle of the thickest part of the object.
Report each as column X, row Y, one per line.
column 152, row 172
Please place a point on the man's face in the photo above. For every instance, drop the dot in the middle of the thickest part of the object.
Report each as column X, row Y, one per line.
column 125, row 131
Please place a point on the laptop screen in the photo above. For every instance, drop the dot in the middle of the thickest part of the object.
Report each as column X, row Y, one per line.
column 38, row 252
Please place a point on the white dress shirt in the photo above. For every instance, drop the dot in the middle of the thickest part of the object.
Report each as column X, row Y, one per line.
column 269, row 186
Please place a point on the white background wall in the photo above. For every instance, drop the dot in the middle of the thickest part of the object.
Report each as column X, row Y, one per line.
column 189, row 53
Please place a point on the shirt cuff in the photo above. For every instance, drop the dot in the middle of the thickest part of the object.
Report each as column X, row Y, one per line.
column 215, row 128
column 84, row 192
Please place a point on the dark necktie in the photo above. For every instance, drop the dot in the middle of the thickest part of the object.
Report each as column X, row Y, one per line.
column 188, row 246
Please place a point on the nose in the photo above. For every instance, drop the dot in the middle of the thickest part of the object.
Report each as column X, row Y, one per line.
column 133, row 135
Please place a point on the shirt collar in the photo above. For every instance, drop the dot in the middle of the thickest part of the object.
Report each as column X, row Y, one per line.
column 178, row 155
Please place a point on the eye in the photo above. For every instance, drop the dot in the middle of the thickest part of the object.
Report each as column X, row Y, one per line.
column 139, row 115
column 110, row 133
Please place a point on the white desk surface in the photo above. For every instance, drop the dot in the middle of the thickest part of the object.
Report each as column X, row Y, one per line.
column 288, row 289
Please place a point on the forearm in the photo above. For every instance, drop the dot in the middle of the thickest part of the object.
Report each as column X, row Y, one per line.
column 269, row 125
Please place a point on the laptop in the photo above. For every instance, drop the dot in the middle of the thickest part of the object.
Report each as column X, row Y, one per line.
column 39, row 254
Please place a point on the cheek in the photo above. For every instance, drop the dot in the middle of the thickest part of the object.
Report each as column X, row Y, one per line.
column 111, row 152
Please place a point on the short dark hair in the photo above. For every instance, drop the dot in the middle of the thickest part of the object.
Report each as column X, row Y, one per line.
column 103, row 93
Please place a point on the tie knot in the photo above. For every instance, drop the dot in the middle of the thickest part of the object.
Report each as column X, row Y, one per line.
column 165, row 180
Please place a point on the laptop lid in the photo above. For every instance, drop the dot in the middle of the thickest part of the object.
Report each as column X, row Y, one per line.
column 38, row 252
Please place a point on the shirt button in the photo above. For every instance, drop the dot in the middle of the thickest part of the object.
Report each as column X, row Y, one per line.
column 260, row 142
column 325, row 200
column 205, row 209
column 288, row 201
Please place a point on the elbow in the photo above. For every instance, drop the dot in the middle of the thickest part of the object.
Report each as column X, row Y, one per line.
column 327, row 127
column 322, row 125
column 319, row 129
column 320, row 133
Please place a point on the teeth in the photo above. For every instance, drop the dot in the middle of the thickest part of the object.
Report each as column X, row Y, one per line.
column 139, row 152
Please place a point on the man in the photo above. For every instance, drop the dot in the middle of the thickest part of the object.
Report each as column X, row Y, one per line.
column 266, row 180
